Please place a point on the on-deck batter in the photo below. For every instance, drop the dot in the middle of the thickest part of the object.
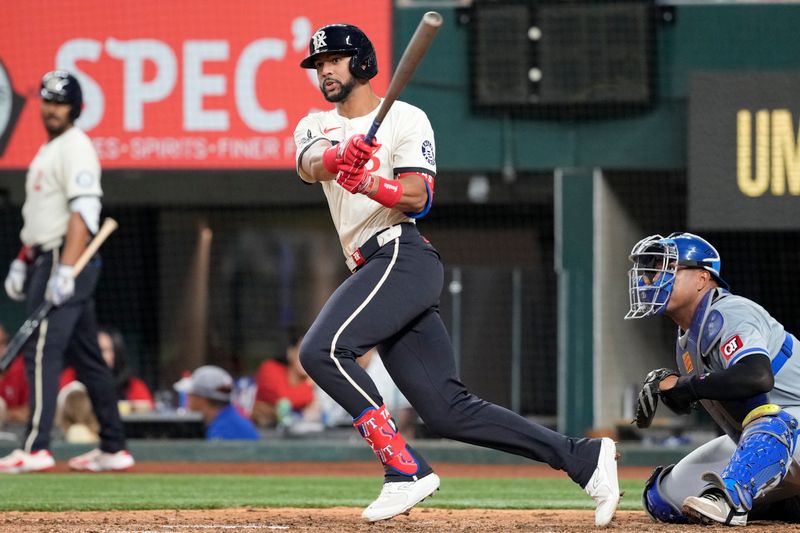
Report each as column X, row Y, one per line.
column 61, row 212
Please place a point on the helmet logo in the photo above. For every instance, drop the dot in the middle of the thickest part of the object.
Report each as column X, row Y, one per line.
column 318, row 41
column 347, row 41
column 55, row 85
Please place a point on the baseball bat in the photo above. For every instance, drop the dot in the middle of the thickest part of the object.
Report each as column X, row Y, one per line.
column 29, row 326
column 411, row 58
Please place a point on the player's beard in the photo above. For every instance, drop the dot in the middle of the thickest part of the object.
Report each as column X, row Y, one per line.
column 56, row 127
column 344, row 91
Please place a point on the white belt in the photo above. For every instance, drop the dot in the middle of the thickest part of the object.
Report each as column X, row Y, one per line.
column 372, row 245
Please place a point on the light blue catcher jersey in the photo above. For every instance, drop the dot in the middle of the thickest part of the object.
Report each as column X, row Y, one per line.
column 741, row 328
column 726, row 329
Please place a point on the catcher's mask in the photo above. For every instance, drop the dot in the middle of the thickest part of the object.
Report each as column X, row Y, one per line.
column 656, row 260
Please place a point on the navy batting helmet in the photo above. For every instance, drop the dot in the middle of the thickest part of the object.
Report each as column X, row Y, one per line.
column 62, row 87
column 344, row 39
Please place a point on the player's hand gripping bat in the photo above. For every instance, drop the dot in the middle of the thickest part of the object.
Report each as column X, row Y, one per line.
column 29, row 326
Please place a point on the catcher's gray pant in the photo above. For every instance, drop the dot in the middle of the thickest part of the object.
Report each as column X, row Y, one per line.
column 684, row 479
column 69, row 333
column 392, row 302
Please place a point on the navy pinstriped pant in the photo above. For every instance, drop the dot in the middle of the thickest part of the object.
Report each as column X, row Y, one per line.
column 392, row 302
column 67, row 335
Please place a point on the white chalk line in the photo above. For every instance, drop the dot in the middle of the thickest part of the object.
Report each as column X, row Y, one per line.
column 169, row 527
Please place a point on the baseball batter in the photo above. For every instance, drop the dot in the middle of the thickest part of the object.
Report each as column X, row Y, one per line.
column 375, row 193
column 61, row 212
column 742, row 366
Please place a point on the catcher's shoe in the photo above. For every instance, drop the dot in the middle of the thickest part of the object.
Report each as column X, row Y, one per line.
column 100, row 461
column 603, row 486
column 713, row 507
column 20, row 462
column 398, row 497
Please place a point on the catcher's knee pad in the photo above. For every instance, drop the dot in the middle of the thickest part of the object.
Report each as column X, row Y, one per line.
column 654, row 503
column 380, row 432
column 762, row 458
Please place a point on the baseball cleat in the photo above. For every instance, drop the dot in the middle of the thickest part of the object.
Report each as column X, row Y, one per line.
column 603, row 486
column 712, row 507
column 100, row 461
column 399, row 497
column 20, row 462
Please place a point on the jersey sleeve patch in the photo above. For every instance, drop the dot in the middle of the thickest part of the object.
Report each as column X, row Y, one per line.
column 428, row 152
column 730, row 347
column 304, row 139
column 85, row 179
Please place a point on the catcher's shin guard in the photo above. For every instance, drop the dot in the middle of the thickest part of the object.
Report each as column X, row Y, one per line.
column 380, row 432
column 654, row 503
column 762, row 459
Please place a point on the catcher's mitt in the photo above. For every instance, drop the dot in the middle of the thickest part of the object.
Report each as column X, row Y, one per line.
column 649, row 395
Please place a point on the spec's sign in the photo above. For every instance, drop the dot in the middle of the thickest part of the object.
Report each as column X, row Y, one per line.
column 744, row 151
column 191, row 84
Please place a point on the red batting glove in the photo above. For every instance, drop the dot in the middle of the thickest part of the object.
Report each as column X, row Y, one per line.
column 350, row 155
column 388, row 192
column 357, row 182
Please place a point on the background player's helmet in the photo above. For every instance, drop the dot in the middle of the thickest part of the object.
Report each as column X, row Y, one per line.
column 61, row 86
column 345, row 39
column 656, row 260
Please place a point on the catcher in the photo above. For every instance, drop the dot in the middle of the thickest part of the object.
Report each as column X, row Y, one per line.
column 739, row 363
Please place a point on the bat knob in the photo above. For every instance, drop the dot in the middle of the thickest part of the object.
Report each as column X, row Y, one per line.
column 432, row 18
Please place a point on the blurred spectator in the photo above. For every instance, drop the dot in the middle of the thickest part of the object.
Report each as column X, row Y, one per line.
column 283, row 386
column 208, row 392
column 333, row 415
column 244, row 395
column 132, row 393
column 13, row 388
column 74, row 415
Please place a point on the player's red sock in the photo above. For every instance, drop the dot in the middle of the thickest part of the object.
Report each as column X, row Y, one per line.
column 380, row 432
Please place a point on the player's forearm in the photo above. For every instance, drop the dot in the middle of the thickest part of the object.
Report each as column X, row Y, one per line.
column 76, row 240
column 313, row 165
column 747, row 378
column 415, row 194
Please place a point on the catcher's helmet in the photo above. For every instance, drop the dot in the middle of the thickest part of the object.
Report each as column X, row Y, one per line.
column 61, row 86
column 656, row 260
column 345, row 39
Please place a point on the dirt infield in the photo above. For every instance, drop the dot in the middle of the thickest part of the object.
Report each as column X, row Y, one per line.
column 338, row 520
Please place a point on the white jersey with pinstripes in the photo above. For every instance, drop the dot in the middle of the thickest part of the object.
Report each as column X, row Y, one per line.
column 63, row 169
column 407, row 145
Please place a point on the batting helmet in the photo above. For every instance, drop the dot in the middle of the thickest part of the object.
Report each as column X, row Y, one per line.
column 344, row 39
column 62, row 87
column 656, row 260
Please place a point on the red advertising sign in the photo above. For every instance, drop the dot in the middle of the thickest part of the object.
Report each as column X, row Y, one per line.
column 179, row 84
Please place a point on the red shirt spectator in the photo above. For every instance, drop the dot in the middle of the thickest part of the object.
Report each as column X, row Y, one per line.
column 14, row 385
column 274, row 381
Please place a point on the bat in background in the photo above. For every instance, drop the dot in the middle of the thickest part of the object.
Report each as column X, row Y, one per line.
column 412, row 56
column 29, row 326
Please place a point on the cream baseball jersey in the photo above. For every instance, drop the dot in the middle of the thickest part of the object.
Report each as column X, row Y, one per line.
column 63, row 169
column 407, row 145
